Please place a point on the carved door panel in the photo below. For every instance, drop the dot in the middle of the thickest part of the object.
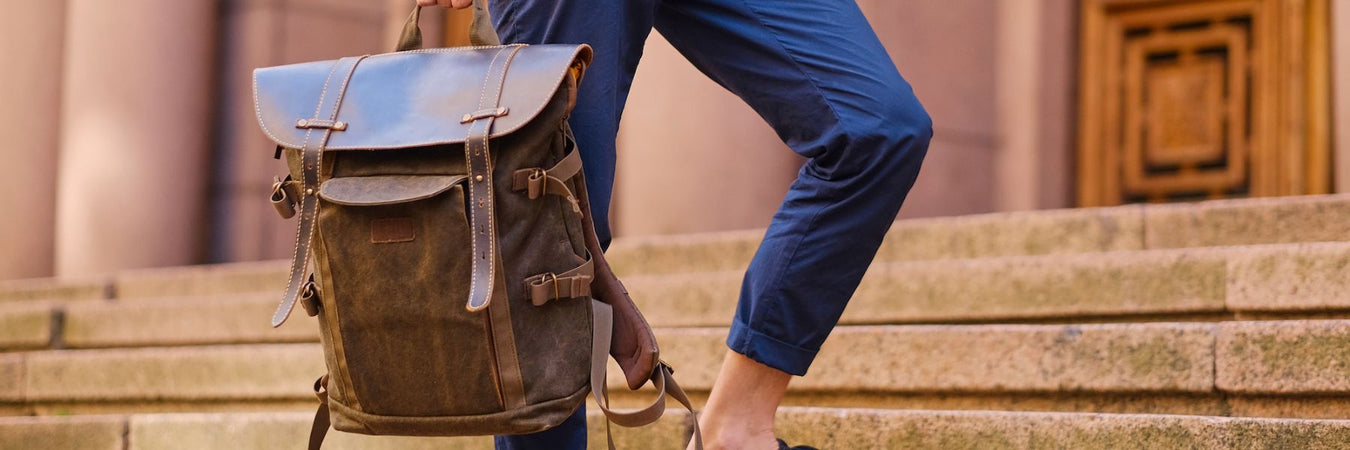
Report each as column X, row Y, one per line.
column 1186, row 100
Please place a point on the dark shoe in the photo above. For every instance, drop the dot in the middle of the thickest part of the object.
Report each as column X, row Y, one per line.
column 783, row 446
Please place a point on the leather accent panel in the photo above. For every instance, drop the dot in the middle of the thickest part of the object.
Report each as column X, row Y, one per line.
column 412, row 98
column 385, row 190
column 392, row 230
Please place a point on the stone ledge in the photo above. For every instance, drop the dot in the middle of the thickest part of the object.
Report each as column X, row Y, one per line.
column 1270, row 220
column 241, row 372
column 25, row 325
column 820, row 427
column 54, row 289
column 869, row 428
column 232, row 278
column 179, row 321
column 1165, row 357
column 63, row 433
column 1284, row 357
column 1298, row 277
column 1264, row 358
column 989, row 289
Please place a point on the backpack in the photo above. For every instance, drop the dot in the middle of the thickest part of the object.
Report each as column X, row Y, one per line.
column 458, row 282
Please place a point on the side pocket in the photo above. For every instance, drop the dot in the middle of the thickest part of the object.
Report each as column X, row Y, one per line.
column 398, row 255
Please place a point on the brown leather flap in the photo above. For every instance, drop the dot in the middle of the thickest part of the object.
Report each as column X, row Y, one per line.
column 385, row 189
column 413, row 98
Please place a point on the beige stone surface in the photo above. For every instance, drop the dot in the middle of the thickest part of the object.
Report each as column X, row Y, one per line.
column 1248, row 221
column 1285, row 357
column 947, row 430
column 1078, row 285
column 1161, row 357
column 1303, row 277
column 1042, row 286
column 671, row 432
column 686, row 300
column 11, row 377
column 977, row 236
column 825, row 428
column 694, row 252
column 241, row 372
column 267, row 431
column 1333, row 406
column 1289, row 434
column 232, row 278
column 63, row 433
column 1010, row 234
column 228, row 319
column 25, row 326
column 57, row 289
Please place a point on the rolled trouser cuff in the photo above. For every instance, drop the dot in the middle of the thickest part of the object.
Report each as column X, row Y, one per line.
column 769, row 351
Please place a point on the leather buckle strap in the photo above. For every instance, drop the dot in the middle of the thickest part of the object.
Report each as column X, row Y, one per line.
column 319, row 429
column 537, row 182
column 283, row 195
column 549, row 286
column 312, row 160
column 309, row 297
column 479, row 162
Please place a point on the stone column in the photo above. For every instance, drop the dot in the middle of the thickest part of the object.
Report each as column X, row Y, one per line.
column 262, row 33
column 1340, row 85
column 30, row 44
column 136, row 130
column 1035, row 73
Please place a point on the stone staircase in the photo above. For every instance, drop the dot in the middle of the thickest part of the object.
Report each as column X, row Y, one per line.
column 1209, row 325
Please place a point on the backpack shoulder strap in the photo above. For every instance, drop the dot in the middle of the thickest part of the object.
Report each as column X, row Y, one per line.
column 602, row 323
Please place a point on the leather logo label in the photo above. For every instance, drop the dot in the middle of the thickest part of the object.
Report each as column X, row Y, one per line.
column 398, row 229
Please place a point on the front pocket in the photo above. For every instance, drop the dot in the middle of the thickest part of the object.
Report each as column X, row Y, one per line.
column 397, row 249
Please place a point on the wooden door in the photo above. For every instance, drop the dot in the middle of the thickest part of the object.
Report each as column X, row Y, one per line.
column 1197, row 99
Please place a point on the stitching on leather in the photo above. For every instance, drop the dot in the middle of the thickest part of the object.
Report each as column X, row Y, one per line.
column 487, row 133
column 468, row 160
column 283, row 311
column 267, row 131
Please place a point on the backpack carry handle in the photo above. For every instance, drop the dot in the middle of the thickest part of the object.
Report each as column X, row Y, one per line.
column 480, row 30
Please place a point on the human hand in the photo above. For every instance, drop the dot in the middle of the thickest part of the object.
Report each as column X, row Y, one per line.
column 457, row 4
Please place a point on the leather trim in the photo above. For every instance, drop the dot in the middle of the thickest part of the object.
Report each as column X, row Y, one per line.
column 574, row 283
column 482, row 207
column 312, row 158
column 386, row 189
column 510, row 378
column 382, row 111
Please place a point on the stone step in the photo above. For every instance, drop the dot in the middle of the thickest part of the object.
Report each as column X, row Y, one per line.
column 1291, row 280
column 1084, row 230
column 1087, row 230
column 1205, row 283
column 1272, row 358
column 826, row 428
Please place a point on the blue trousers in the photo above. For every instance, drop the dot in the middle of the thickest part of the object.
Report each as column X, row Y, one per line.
column 816, row 72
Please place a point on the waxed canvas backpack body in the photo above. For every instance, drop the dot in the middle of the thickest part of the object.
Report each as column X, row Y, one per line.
column 457, row 281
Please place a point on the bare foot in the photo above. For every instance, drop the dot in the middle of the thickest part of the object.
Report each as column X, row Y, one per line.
column 741, row 407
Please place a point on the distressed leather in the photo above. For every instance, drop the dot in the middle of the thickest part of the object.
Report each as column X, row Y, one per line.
column 440, row 198
column 414, row 98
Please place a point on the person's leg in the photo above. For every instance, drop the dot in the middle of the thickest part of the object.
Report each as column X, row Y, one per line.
column 816, row 72
column 617, row 30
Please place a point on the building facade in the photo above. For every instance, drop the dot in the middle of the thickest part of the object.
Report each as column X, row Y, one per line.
column 131, row 139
